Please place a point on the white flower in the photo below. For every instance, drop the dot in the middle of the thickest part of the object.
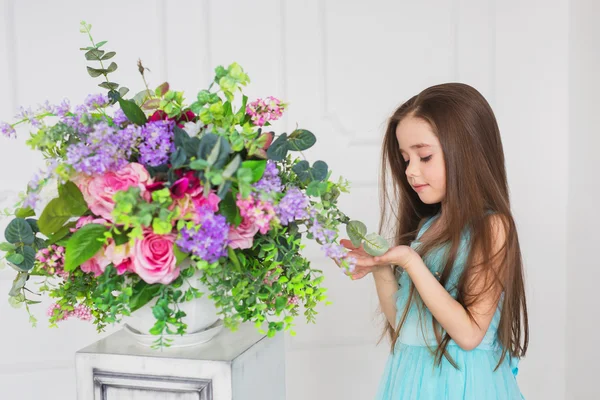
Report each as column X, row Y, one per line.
column 193, row 128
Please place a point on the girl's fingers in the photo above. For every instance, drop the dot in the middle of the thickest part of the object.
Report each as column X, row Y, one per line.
column 347, row 244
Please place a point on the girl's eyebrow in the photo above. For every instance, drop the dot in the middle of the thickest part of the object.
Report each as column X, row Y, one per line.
column 417, row 146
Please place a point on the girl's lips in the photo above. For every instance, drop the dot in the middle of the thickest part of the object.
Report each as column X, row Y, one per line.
column 420, row 187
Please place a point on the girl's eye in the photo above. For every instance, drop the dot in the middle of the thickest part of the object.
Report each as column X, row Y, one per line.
column 424, row 159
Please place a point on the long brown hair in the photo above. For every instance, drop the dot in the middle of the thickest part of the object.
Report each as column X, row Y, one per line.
column 475, row 183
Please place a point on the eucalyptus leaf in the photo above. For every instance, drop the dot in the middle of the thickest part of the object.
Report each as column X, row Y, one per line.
column 94, row 55
column 178, row 158
column 93, row 72
column 112, row 67
column 356, row 231
column 180, row 136
column 15, row 258
column 198, row 164
column 108, row 55
column 19, row 231
column 28, row 254
column 301, row 139
column 109, row 85
column 33, row 224
column 319, row 171
column 302, row 169
column 223, row 189
column 7, row 246
column 279, row 148
column 375, row 245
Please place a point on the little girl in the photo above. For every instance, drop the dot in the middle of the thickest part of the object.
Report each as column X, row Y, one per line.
column 452, row 288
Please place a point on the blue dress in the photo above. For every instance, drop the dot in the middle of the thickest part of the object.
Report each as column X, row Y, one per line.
column 411, row 372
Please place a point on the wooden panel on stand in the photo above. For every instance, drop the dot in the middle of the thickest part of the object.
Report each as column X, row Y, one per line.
column 240, row 365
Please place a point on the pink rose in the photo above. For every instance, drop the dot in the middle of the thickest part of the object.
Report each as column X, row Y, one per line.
column 242, row 237
column 110, row 254
column 92, row 265
column 98, row 191
column 212, row 202
column 88, row 219
column 153, row 258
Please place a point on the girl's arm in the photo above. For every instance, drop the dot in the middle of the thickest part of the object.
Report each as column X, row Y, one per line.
column 467, row 332
column 385, row 282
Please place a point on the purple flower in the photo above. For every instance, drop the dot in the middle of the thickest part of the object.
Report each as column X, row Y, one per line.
column 293, row 206
column 7, row 130
column 79, row 120
column 207, row 241
column 95, row 101
column 270, row 181
column 62, row 109
column 157, row 142
column 104, row 149
column 119, row 118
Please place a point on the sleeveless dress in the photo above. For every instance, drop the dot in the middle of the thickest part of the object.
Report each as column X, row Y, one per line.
column 411, row 372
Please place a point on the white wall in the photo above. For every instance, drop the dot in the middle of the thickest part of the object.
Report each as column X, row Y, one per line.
column 583, row 217
column 343, row 66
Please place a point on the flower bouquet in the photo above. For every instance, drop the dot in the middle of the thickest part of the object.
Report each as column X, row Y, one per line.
column 144, row 200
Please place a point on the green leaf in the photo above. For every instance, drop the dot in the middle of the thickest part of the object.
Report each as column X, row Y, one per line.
column 100, row 44
column 25, row 212
column 179, row 255
column 199, row 164
column 18, row 284
column 180, row 137
column 232, row 167
column 83, row 245
column 214, row 153
column 94, row 55
column 93, row 72
column 162, row 89
column 375, row 245
column 133, row 112
column 258, row 168
column 15, row 258
column 109, row 85
column 108, row 55
column 319, row 171
column 244, row 175
column 356, row 230
column 61, row 233
column 159, row 313
column 142, row 294
column 229, row 209
column 178, row 158
column 121, row 238
column 280, row 303
column 54, row 216
column 224, row 189
column 19, row 231
column 302, row 169
column 233, row 257
column 112, row 67
column 33, row 224
column 279, row 148
column 28, row 254
column 301, row 140
column 7, row 246
column 73, row 198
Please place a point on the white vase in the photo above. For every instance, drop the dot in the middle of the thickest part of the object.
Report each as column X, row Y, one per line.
column 201, row 318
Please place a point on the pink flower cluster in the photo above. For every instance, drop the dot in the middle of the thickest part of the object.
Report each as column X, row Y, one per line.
column 80, row 311
column 52, row 260
column 263, row 110
column 258, row 212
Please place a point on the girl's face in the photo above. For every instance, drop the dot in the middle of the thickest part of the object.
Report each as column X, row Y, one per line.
column 422, row 152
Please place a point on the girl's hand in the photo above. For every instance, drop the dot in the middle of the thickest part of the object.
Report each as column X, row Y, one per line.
column 365, row 263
